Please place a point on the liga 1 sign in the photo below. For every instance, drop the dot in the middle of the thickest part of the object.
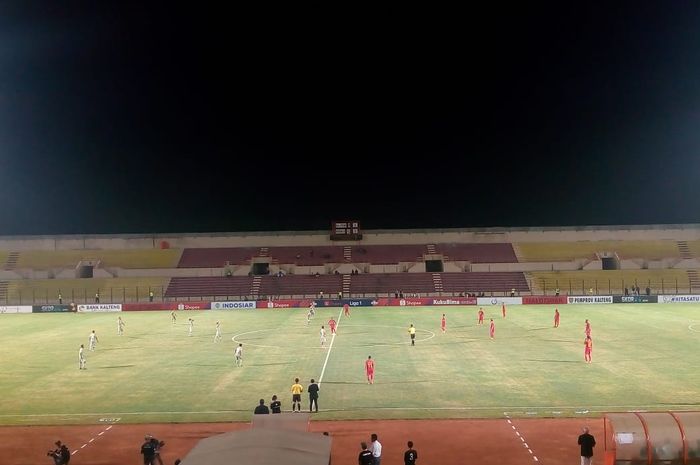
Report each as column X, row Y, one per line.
column 499, row 300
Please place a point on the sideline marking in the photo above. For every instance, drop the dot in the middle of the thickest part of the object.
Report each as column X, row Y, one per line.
column 92, row 439
column 330, row 347
column 522, row 439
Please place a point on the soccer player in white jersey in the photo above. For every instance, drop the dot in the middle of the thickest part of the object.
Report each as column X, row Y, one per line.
column 217, row 336
column 322, row 334
column 120, row 326
column 190, row 323
column 81, row 358
column 93, row 340
column 239, row 355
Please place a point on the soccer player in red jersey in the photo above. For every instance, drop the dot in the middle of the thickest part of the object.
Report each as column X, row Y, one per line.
column 492, row 329
column 346, row 310
column 369, row 370
column 556, row 317
column 588, row 348
column 481, row 317
column 443, row 323
column 503, row 310
column 331, row 324
column 588, row 329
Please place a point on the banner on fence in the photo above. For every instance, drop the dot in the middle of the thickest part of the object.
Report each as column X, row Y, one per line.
column 15, row 309
column 235, row 305
column 635, row 299
column 153, row 306
column 544, row 299
column 50, row 308
column 100, row 308
column 591, row 299
column 499, row 300
column 679, row 299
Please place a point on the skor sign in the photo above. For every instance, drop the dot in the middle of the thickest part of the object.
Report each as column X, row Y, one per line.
column 243, row 304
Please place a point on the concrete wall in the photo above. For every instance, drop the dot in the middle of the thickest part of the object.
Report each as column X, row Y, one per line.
column 383, row 237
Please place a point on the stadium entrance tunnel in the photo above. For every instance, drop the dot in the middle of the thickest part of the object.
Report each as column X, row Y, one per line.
column 652, row 438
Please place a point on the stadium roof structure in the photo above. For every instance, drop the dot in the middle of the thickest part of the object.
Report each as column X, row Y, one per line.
column 272, row 440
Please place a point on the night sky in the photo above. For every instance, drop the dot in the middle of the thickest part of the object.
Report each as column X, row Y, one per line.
column 127, row 118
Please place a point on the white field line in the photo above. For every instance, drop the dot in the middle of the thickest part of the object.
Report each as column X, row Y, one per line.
column 512, row 409
column 330, row 347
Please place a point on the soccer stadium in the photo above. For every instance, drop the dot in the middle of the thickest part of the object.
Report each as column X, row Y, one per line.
column 169, row 311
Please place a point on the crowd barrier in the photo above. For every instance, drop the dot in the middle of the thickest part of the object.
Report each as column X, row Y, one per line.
column 364, row 302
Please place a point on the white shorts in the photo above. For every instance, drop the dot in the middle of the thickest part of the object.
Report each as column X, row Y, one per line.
column 586, row 460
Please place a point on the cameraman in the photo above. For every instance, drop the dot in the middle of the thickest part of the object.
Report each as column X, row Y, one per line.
column 60, row 455
column 156, row 448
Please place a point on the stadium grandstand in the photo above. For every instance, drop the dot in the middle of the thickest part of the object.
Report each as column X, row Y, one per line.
column 424, row 263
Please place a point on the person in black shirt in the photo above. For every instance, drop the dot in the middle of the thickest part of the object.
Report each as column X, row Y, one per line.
column 411, row 455
column 148, row 450
column 365, row 457
column 313, row 395
column 60, row 455
column 275, row 405
column 587, row 443
column 262, row 408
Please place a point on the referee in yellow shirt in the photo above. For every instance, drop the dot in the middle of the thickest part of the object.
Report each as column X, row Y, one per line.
column 297, row 389
column 412, row 332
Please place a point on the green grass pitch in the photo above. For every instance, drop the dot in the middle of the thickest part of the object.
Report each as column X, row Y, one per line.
column 644, row 357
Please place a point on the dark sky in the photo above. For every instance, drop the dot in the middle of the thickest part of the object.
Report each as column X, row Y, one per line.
column 130, row 118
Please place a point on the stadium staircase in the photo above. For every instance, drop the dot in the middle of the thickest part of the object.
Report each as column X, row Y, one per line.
column 11, row 262
column 347, row 253
column 3, row 291
column 694, row 280
column 684, row 250
column 255, row 286
column 437, row 282
column 431, row 249
column 346, row 284
column 264, row 252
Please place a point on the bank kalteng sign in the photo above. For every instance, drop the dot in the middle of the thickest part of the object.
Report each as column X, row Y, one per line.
column 237, row 305
column 591, row 299
column 100, row 308
column 679, row 299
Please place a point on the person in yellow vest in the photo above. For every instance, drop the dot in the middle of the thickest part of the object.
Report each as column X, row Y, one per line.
column 412, row 332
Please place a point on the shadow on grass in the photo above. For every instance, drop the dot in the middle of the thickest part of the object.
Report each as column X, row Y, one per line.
column 115, row 366
column 551, row 361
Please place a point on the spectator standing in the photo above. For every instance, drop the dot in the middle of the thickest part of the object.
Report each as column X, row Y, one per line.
column 60, row 299
column 587, row 443
column 97, row 297
column 150, row 296
column 376, row 450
